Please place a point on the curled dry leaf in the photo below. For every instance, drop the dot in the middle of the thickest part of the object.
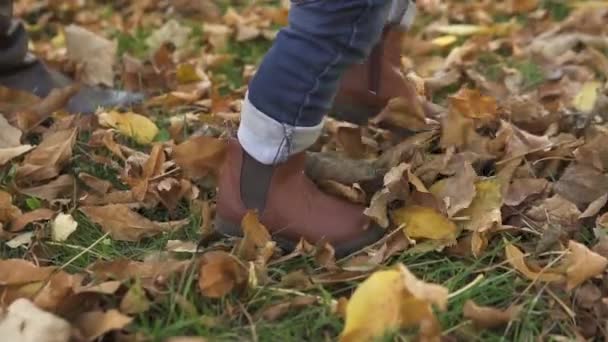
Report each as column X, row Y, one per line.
column 405, row 301
column 595, row 206
column 124, row 224
column 23, row 321
column 22, row 221
column 8, row 212
column 483, row 215
column 582, row 264
column 351, row 193
column 458, row 191
column 133, row 125
column 278, row 310
column 95, row 324
column 220, row 273
column 425, row 223
column 48, row 158
column 488, row 317
column 199, row 156
column 62, row 227
column 515, row 257
column 255, row 237
column 97, row 54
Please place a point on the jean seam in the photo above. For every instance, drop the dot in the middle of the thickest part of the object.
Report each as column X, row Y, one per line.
column 353, row 34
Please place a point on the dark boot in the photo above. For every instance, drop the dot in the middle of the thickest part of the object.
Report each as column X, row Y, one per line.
column 289, row 204
column 366, row 88
column 20, row 70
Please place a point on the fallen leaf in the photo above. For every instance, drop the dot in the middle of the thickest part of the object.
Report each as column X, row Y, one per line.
column 582, row 264
column 255, row 237
column 377, row 209
column 124, row 224
column 484, row 212
column 33, row 115
column 57, row 188
column 488, row 317
column 522, row 188
column 353, row 193
column 458, row 191
column 8, row 212
column 8, row 153
column 9, row 136
column 172, row 31
column 523, row 6
column 95, row 324
column 278, row 310
column 95, row 53
column 220, row 273
column 472, row 104
column 462, row 29
column 123, row 269
column 135, row 300
column 27, row 272
column 101, row 186
column 515, row 257
column 22, row 221
column 24, row 322
column 62, row 227
column 581, row 184
column 23, row 239
column 595, row 207
column 405, row 301
column 199, row 156
column 425, row 223
column 47, row 159
column 178, row 246
column 555, row 210
column 584, row 101
column 133, row 125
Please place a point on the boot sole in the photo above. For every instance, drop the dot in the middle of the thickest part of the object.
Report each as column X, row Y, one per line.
column 228, row 228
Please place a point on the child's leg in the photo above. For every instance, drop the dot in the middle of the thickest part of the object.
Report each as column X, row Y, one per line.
column 298, row 78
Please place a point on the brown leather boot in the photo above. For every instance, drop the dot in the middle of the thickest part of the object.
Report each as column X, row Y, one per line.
column 21, row 71
column 366, row 88
column 289, row 204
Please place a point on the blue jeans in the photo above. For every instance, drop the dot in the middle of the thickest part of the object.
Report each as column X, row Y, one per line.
column 299, row 77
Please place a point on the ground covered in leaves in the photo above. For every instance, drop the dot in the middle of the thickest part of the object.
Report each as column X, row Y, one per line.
column 494, row 203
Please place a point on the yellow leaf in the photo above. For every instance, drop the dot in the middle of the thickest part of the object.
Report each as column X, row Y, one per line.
column 582, row 264
column 462, row 29
column 586, row 97
column 186, row 73
column 484, row 212
column 220, row 273
column 404, row 301
column 515, row 257
column 133, row 125
column 424, row 222
column 444, row 41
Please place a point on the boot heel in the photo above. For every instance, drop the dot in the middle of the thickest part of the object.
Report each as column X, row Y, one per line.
column 227, row 228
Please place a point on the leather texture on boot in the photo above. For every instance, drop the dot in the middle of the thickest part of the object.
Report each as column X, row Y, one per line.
column 366, row 88
column 290, row 205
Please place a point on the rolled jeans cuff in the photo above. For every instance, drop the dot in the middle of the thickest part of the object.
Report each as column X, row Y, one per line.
column 402, row 14
column 269, row 141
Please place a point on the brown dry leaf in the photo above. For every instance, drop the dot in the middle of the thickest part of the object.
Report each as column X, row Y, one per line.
column 406, row 113
column 35, row 114
column 123, row 269
column 523, row 6
column 484, row 212
column 27, row 272
column 199, row 156
column 581, row 184
column 425, row 223
column 255, row 237
column 124, row 224
column 487, row 317
column 8, row 212
column 95, row 324
column 595, row 206
column 555, row 210
column 353, row 193
column 582, row 264
column 458, row 191
column 151, row 168
column 8, row 153
column 48, row 158
column 377, row 209
column 22, row 221
column 57, row 188
column 95, row 53
column 278, row 310
column 298, row 280
column 100, row 186
column 349, row 138
column 515, row 257
column 220, row 273
column 205, row 9
column 405, row 301
column 135, row 300
column 522, row 188
column 472, row 104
